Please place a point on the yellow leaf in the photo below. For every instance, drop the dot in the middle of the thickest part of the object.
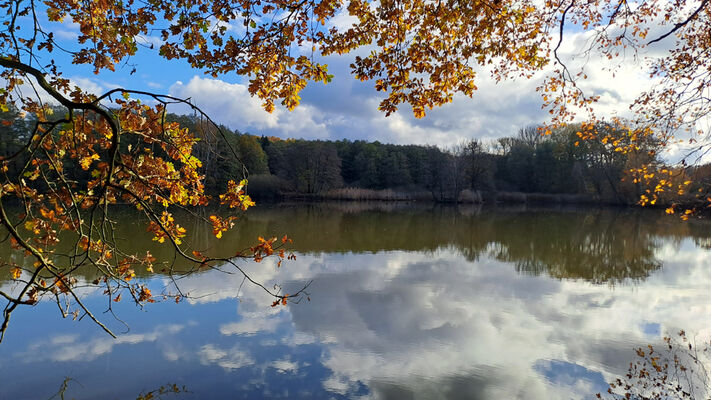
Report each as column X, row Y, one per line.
column 86, row 161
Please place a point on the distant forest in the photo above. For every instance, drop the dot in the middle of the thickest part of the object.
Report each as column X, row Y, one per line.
column 526, row 166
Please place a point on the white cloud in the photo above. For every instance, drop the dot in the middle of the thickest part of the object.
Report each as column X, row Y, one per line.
column 73, row 348
column 232, row 358
column 342, row 20
column 347, row 108
column 91, row 85
column 227, row 103
column 153, row 42
column 285, row 366
column 65, row 30
column 250, row 325
column 232, row 105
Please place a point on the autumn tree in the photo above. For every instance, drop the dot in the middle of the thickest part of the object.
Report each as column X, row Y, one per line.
column 84, row 152
column 251, row 154
column 608, row 163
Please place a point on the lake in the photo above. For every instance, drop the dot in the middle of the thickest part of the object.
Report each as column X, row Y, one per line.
column 407, row 302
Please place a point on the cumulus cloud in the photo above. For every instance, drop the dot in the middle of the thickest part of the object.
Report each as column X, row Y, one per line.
column 227, row 103
column 231, row 104
column 347, row 108
column 149, row 41
column 31, row 89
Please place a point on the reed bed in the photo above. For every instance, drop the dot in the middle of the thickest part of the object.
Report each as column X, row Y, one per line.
column 358, row 194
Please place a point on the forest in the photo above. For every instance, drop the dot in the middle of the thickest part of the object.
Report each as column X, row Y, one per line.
column 528, row 166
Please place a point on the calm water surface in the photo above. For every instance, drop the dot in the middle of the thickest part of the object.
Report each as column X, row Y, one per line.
column 406, row 303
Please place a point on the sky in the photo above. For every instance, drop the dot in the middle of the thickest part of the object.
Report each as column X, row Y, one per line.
column 347, row 108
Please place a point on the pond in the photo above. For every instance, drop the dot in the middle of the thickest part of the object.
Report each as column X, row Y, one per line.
column 406, row 302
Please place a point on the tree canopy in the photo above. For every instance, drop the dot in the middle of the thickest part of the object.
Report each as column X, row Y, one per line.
column 84, row 152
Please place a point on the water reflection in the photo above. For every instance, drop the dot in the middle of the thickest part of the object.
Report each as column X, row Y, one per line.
column 604, row 247
column 599, row 245
column 445, row 314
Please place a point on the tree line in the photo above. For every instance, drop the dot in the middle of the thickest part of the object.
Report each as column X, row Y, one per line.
column 603, row 166
column 530, row 162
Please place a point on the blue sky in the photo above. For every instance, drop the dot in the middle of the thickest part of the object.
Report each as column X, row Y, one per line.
column 347, row 108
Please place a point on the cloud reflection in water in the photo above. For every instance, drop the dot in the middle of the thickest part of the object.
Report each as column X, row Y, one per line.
column 507, row 316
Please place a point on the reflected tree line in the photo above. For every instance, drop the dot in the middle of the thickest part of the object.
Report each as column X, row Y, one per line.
column 603, row 247
column 598, row 245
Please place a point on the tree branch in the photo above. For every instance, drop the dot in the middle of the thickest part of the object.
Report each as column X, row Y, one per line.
column 679, row 25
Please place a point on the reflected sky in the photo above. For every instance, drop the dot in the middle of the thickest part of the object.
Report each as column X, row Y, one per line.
column 389, row 324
